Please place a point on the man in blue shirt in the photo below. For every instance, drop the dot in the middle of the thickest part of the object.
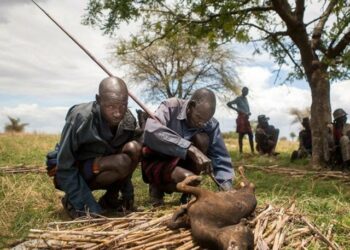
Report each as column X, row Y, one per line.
column 98, row 150
column 185, row 140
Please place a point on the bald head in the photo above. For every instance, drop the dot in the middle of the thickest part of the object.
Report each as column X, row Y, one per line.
column 206, row 99
column 112, row 84
column 201, row 107
column 113, row 100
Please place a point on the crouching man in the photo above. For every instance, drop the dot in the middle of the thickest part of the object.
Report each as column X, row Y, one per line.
column 341, row 138
column 305, row 141
column 185, row 140
column 98, row 150
column 266, row 136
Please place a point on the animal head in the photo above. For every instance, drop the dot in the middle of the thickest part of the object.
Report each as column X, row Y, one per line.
column 247, row 186
column 236, row 237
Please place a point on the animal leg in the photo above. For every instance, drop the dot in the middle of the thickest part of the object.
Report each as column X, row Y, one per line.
column 188, row 185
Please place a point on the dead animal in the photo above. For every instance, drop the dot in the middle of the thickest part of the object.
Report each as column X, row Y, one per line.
column 215, row 218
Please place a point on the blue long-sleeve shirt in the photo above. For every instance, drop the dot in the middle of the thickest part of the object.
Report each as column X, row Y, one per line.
column 86, row 136
column 171, row 136
column 241, row 103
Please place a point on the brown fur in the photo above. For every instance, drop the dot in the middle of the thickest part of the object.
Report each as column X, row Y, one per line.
column 215, row 218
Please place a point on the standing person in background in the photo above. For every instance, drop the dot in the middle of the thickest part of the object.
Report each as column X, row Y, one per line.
column 243, row 125
column 186, row 140
column 98, row 150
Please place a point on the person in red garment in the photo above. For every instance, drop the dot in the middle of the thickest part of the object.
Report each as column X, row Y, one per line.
column 242, row 122
column 186, row 140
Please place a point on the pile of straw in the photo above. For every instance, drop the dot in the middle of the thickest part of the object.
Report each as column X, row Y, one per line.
column 293, row 172
column 273, row 227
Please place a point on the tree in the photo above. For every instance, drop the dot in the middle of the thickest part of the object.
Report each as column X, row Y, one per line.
column 299, row 114
column 292, row 135
column 175, row 66
column 15, row 125
column 316, row 48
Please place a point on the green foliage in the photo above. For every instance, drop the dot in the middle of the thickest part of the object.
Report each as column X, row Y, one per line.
column 176, row 66
column 309, row 37
column 264, row 22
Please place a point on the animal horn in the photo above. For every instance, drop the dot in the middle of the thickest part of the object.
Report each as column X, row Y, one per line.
column 241, row 171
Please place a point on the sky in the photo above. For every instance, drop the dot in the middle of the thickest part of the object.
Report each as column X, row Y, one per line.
column 43, row 73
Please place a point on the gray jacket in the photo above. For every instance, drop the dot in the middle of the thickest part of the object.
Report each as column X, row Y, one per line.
column 86, row 136
column 172, row 136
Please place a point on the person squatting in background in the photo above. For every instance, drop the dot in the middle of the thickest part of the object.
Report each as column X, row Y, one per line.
column 266, row 136
column 340, row 139
column 305, row 141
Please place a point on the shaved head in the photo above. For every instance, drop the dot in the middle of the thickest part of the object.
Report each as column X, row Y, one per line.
column 113, row 100
column 201, row 107
column 112, row 84
column 206, row 99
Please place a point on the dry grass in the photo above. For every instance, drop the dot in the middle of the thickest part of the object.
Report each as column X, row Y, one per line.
column 30, row 201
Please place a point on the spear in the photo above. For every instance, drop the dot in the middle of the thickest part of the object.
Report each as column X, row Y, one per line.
column 110, row 74
column 95, row 60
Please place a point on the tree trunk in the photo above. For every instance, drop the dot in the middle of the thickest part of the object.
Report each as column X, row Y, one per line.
column 320, row 116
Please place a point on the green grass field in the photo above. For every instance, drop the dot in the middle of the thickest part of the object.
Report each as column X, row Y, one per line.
column 30, row 200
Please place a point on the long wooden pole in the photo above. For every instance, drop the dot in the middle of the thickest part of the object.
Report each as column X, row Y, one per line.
column 95, row 60
column 110, row 74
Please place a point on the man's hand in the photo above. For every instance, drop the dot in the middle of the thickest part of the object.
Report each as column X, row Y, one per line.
column 203, row 163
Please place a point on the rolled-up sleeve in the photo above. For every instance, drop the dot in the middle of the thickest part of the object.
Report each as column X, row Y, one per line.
column 161, row 138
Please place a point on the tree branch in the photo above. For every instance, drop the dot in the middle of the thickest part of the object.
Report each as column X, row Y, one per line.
column 276, row 33
column 284, row 10
column 213, row 16
column 316, row 35
column 340, row 47
column 299, row 10
column 275, row 36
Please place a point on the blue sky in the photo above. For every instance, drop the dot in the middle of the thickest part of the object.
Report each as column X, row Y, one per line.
column 43, row 73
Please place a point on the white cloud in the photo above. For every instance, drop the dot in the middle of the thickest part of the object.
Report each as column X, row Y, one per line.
column 43, row 73
column 37, row 58
column 40, row 119
column 340, row 95
column 275, row 101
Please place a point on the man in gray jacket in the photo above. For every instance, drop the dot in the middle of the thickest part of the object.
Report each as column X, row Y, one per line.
column 185, row 140
column 98, row 150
